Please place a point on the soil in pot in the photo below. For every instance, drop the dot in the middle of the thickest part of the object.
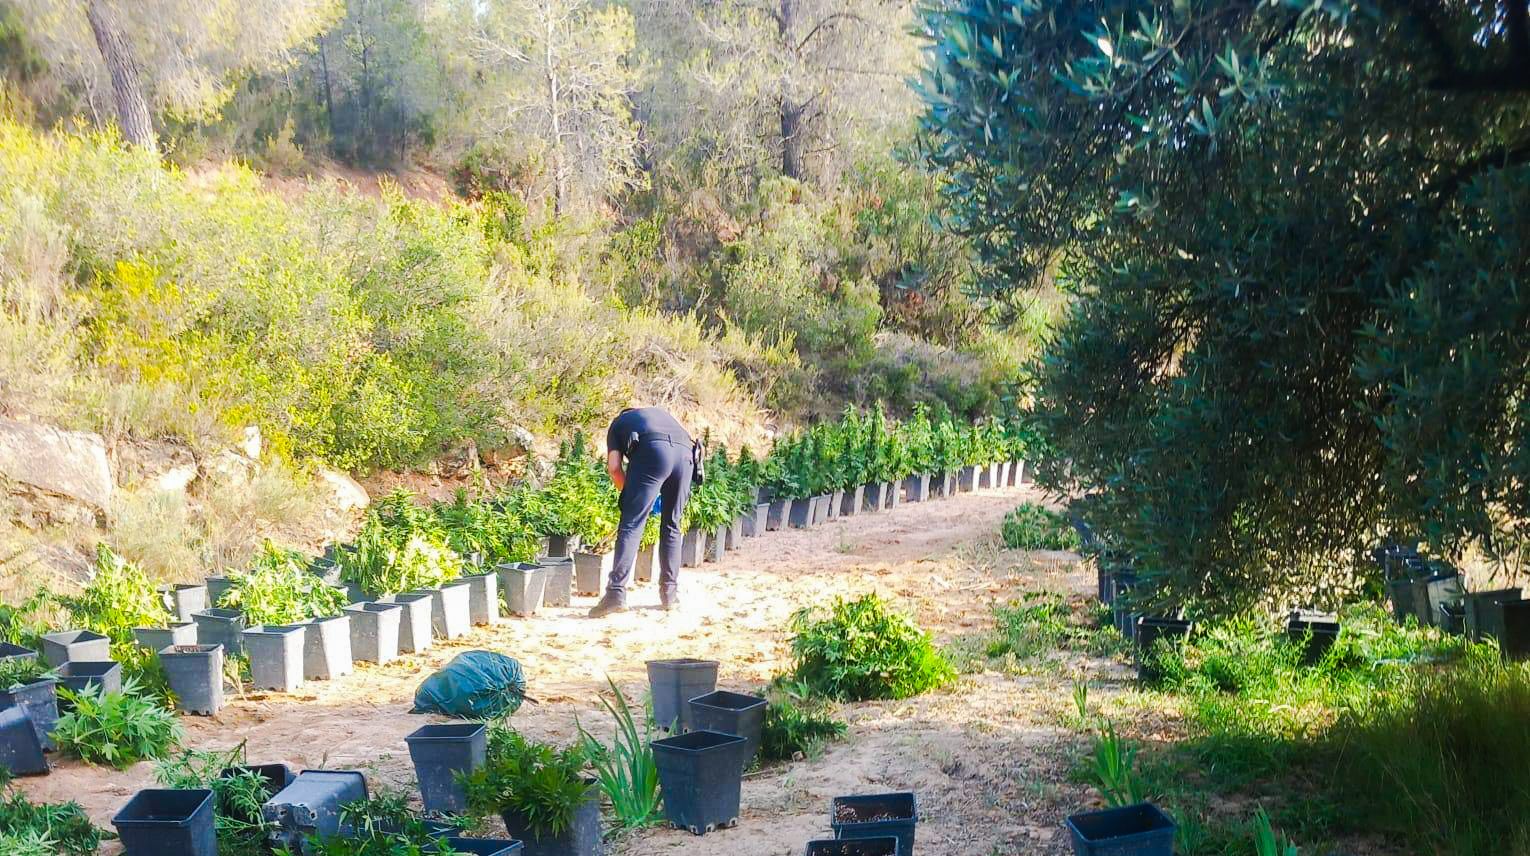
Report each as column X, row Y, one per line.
column 276, row 656
column 414, row 623
column 327, row 648
column 311, row 806
column 38, row 700
column 590, row 572
column 195, row 675
column 483, row 598
column 700, row 774
column 440, row 754
column 884, row 846
column 79, row 676
column 159, row 821
column 21, row 751
column 221, row 626
column 1133, row 830
column 673, row 683
column 523, row 584
column 374, row 631
column 582, row 838
column 731, row 713
column 876, row 816
column 559, row 589
column 64, row 646
column 155, row 638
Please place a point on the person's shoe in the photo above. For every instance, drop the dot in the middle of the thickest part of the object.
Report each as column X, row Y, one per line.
column 608, row 605
column 669, row 602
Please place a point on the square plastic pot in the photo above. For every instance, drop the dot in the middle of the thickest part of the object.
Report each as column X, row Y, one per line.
column 450, row 615
column 821, row 505
column 559, row 589
column 757, row 521
column 64, row 646
column 277, row 776
column 877, row 496
column 10, row 651
column 1133, row 830
column 1313, row 632
column 884, row 846
column 1452, row 618
column 311, row 806
column 1484, row 612
column 39, row 702
column 483, row 597
column 731, row 713
column 217, row 586
column 1149, row 630
column 414, row 622
column 327, row 648
column 21, row 750
column 967, row 479
column 157, row 821
column 221, row 626
column 733, row 534
column 80, row 675
column 700, row 775
column 646, row 565
column 276, row 656
column 836, row 504
column 440, row 753
column 917, row 488
column 894, row 494
column 850, row 501
column 717, row 543
column 374, row 631
column 1016, row 473
column 893, row 815
column 776, row 514
column 581, row 838
column 484, row 846
column 1441, row 590
column 184, row 599
column 195, row 675
column 1514, row 641
column 673, row 683
column 523, row 584
column 1002, row 479
column 560, row 546
column 155, row 638
column 693, row 549
column 590, row 572
column 801, row 514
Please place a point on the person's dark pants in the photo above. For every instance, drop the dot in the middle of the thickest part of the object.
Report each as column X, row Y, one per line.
column 657, row 469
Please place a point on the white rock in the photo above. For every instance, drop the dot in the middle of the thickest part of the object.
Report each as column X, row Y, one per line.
column 72, row 464
column 345, row 493
column 251, row 444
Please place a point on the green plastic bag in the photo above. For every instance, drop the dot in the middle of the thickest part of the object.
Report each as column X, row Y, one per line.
column 474, row 685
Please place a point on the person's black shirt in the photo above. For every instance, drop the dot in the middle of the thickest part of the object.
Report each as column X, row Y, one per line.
column 643, row 420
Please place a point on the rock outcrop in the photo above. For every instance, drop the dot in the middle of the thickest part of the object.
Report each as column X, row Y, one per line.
column 64, row 475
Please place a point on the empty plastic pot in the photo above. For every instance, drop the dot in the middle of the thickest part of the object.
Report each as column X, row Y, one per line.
column 673, row 683
column 159, row 822
column 700, row 775
column 440, row 753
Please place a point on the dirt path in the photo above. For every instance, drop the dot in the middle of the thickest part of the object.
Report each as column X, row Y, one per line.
column 988, row 757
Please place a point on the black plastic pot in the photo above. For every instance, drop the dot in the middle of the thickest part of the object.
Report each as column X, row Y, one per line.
column 700, row 775
column 1452, row 619
column 311, row 806
column 876, row 816
column 21, row 751
column 1514, row 642
column 673, row 683
column 757, row 520
column 1442, row 590
column 276, row 656
column 155, row 638
column 195, row 675
column 484, row 846
column 1122, row 614
column 221, row 626
column 731, row 713
column 277, row 776
column 217, row 586
column 590, row 572
column 1484, row 612
column 801, row 514
column 693, row 548
column 1003, row 477
column 581, row 838
column 1313, row 632
column 850, row 501
column 483, row 598
column 917, row 488
column 1150, row 629
column 836, row 503
column 374, row 631
column 440, row 753
column 717, row 543
column 560, row 546
column 9, row 651
column 883, row 846
column 894, row 495
column 39, row 702
column 327, row 648
column 821, row 504
column 1014, row 476
column 877, row 496
column 79, row 676
column 559, row 589
column 776, row 514
column 414, row 622
column 733, row 536
column 184, row 599
column 159, row 822
column 68, row 645
column 1133, row 830
column 449, row 613
column 523, row 584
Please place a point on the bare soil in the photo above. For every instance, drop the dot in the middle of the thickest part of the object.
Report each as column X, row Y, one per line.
column 988, row 758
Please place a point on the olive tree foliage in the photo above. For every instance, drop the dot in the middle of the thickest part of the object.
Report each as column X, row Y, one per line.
column 800, row 88
column 128, row 61
column 1295, row 238
column 557, row 73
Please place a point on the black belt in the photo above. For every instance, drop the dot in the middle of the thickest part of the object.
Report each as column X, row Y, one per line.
column 652, row 436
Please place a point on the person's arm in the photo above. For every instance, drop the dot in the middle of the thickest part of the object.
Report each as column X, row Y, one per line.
column 614, row 467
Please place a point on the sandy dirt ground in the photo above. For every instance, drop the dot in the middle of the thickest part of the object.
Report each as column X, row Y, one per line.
column 988, row 757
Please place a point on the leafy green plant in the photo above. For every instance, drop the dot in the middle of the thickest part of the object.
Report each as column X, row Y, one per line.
column 120, row 596
column 385, row 825
column 625, row 769
column 1113, row 769
column 796, row 724
column 278, row 589
column 237, row 797
column 863, row 649
column 18, row 670
column 384, row 560
column 1036, row 527
column 1265, row 842
column 44, row 829
column 119, row 729
column 486, row 529
column 538, row 782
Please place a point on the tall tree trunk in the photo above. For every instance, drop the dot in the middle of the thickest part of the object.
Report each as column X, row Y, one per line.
column 329, row 89
column 550, row 71
column 792, row 138
column 127, row 90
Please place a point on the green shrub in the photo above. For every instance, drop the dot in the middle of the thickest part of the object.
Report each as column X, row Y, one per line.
column 236, row 797
column 119, row 729
column 861, row 649
column 120, row 596
column 537, row 781
column 46, row 829
column 1035, row 527
column 796, row 724
column 1040, row 624
column 398, row 553
column 278, row 589
column 626, row 769
column 16, row 670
